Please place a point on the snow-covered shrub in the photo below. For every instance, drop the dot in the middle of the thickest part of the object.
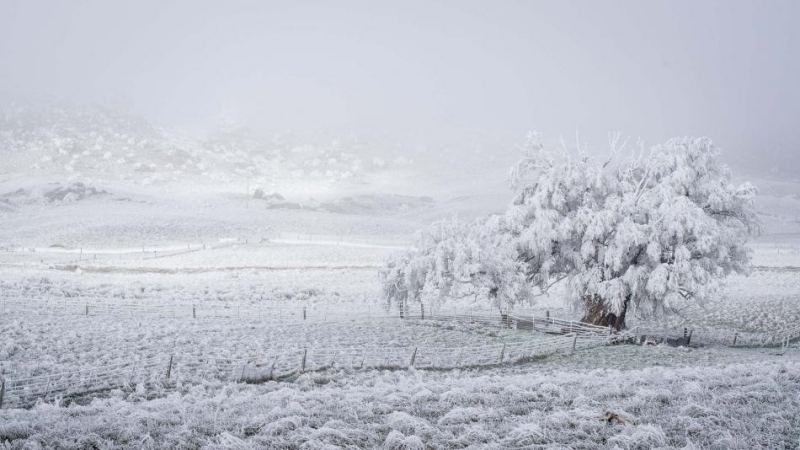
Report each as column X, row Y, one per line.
column 453, row 259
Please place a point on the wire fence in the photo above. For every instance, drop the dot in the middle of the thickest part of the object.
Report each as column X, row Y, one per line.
column 730, row 338
column 272, row 311
column 166, row 368
column 281, row 311
column 277, row 310
column 566, row 336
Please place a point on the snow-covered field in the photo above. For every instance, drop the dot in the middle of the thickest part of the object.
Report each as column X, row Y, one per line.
column 403, row 226
column 702, row 401
column 100, row 282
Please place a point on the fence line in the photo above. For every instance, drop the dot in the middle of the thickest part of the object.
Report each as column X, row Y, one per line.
column 730, row 338
column 204, row 310
column 274, row 366
column 83, row 306
column 95, row 305
column 568, row 336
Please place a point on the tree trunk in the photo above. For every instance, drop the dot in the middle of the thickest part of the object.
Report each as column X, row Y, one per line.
column 596, row 312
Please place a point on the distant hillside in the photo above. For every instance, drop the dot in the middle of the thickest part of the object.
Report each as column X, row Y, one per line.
column 102, row 145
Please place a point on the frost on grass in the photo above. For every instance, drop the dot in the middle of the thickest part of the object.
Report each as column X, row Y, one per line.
column 752, row 405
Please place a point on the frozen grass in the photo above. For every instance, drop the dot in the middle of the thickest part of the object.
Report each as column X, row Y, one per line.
column 763, row 303
column 752, row 405
column 242, row 287
column 783, row 253
column 55, row 344
column 48, row 330
column 710, row 397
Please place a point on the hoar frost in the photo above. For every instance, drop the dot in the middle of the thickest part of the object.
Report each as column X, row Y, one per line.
column 642, row 233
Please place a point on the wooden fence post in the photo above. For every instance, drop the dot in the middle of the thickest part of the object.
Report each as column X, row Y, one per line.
column 735, row 336
column 574, row 341
column 303, row 362
column 502, row 353
column 86, row 311
column 47, row 388
column 413, row 358
column 194, row 312
column 333, row 359
column 133, row 374
column 689, row 338
column 304, row 313
column 241, row 376
column 169, row 367
column 2, row 389
column 272, row 369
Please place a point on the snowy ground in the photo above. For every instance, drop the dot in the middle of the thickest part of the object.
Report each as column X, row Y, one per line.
column 722, row 403
column 142, row 266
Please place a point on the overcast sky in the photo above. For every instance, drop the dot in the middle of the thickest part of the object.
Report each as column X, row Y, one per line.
column 726, row 69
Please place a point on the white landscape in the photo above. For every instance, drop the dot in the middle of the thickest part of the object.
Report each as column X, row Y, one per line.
column 255, row 258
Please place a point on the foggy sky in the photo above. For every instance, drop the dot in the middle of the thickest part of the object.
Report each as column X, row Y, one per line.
column 726, row 69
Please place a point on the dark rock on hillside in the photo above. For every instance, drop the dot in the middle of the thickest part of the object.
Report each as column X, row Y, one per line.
column 72, row 192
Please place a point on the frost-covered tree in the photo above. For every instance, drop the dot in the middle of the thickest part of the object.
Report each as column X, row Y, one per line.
column 452, row 259
column 645, row 233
